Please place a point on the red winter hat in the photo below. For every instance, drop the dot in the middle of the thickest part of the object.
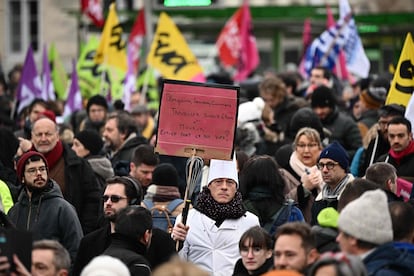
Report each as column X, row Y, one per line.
column 23, row 160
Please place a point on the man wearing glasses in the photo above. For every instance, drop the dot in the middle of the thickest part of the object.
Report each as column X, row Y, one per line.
column 334, row 166
column 121, row 192
column 41, row 208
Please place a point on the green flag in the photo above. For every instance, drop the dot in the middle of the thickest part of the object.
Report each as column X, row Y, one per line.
column 98, row 78
column 58, row 73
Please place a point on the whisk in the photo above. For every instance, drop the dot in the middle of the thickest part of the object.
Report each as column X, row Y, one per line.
column 193, row 169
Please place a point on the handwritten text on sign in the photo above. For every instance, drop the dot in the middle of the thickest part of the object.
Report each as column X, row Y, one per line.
column 197, row 117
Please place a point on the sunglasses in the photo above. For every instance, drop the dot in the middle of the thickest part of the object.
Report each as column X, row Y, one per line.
column 114, row 198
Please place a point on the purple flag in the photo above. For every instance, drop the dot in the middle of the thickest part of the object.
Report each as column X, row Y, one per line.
column 48, row 91
column 74, row 100
column 30, row 86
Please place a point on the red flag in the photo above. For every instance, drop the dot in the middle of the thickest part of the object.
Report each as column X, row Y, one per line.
column 340, row 69
column 236, row 44
column 249, row 55
column 135, row 40
column 93, row 9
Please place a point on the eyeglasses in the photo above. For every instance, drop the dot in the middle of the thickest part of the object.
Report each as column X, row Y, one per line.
column 329, row 165
column 244, row 251
column 33, row 171
column 309, row 146
column 114, row 198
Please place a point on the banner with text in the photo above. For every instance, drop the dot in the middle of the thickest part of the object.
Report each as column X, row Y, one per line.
column 197, row 118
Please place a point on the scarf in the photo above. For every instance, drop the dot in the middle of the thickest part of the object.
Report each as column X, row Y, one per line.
column 329, row 194
column 400, row 154
column 297, row 166
column 165, row 193
column 54, row 155
column 219, row 211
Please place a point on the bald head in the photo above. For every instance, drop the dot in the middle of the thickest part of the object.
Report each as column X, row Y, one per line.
column 45, row 135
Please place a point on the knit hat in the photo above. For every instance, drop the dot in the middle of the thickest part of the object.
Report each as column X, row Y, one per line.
column 374, row 97
column 91, row 140
column 48, row 114
column 337, row 153
column 105, row 266
column 22, row 162
column 367, row 218
column 251, row 111
column 97, row 100
column 165, row 174
column 328, row 217
column 223, row 169
column 323, row 96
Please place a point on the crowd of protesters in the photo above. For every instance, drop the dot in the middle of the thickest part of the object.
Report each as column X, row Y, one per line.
column 332, row 153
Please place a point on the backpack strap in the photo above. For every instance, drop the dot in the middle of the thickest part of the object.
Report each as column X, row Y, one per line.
column 148, row 203
column 281, row 216
column 174, row 204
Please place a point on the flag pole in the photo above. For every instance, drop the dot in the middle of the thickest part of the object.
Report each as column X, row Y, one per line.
column 149, row 34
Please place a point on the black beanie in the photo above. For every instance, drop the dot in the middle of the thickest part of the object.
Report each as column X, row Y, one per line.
column 91, row 140
column 323, row 96
column 97, row 100
column 165, row 174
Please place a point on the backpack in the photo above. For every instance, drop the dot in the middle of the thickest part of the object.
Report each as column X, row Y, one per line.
column 162, row 217
column 287, row 213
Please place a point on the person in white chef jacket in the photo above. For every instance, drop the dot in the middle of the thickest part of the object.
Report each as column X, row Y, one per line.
column 216, row 223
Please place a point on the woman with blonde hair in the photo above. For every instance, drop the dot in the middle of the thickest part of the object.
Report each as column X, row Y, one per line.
column 307, row 147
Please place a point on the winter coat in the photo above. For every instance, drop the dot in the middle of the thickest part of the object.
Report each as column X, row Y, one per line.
column 161, row 249
column 131, row 253
column 344, row 130
column 240, row 269
column 388, row 261
column 48, row 216
column 321, row 203
column 102, row 168
column 120, row 159
column 214, row 249
column 82, row 190
column 404, row 169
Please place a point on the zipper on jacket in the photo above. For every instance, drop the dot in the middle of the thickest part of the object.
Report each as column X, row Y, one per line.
column 29, row 215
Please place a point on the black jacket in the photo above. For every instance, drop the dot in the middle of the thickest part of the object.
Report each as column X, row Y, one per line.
column 131, row 252
column 82, row 190
column 120, row 160
column 240, row 269
column 161, row 249
column 48, row 216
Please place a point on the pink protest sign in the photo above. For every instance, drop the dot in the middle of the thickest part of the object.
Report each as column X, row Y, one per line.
column 197, row 118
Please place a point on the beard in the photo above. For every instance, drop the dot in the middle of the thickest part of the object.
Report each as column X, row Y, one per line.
column 36, row 188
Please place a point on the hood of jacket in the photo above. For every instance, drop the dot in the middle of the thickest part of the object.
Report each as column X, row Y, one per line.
column 51, row 191
column 101, row 166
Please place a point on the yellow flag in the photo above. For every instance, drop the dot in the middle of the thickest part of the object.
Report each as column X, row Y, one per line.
column 111, row 50
column 170, row 53
column 402, row 85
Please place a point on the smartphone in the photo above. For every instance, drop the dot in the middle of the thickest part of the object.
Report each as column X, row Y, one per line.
column 13, row 241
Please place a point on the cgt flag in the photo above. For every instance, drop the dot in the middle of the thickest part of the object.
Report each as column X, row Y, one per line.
column 30, row 86
column 48, row 91
column 402, row 85
column 74, row 101
column 112, row 49
column 170, row 54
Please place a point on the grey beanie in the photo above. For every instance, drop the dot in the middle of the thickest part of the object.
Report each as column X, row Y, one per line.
column 367, row 218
